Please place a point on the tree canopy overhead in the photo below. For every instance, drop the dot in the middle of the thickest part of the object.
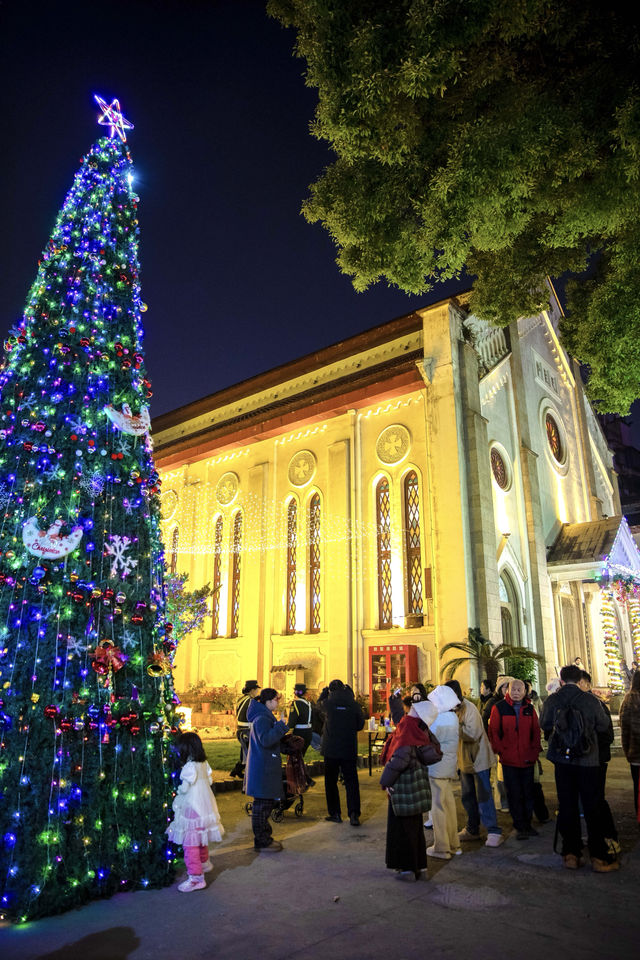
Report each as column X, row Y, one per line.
column 500, row 137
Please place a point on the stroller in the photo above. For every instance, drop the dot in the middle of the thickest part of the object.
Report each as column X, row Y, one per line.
column 294, row 780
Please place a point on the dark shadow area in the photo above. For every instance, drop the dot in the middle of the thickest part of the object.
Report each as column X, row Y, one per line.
column 114, row 944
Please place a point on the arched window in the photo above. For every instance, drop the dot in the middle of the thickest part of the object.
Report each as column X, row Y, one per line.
column 383, row 521
column 217, row 576
column 509, row 611
column 235, row 575
column 173, row 564
column 314, row 564
column 292, row 551
column 413, row 559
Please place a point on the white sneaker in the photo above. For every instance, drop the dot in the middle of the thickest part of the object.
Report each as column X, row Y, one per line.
column 494, row 840
column 431, row 852
column 207, row 866
column 428, row 824
column 458, row 852
column 192, row 883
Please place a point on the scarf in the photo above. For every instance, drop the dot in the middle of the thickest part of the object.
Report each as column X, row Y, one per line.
column 406, row 734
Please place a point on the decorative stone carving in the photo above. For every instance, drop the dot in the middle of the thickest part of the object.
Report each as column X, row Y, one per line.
column 302, row 468
column 168, row 504
column 393, row 444
column 227, row 488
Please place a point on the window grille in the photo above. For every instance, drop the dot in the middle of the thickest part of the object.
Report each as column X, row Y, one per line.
column 217, row 575
column 412, row 544
column 383, row 518
column 235, row 575
column 314, row 564
column 173, row 566
column 292, row 551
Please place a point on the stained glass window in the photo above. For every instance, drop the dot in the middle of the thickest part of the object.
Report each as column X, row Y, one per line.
column 314, row 564
column 413, row 558
column 383, row 518
column 499, row 469
column 217, row 574
column 292, row 551
column 235, row 575
column 173, row 566
column 554, row 439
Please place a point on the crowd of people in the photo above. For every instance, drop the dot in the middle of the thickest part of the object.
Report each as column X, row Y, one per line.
column 440, row 738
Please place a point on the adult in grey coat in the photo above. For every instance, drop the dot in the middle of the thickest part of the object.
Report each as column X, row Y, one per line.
column 263, row 778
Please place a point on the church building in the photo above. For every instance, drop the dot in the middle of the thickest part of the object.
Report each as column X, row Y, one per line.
column 360, row 507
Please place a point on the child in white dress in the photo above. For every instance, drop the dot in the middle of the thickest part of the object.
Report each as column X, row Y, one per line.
column 196, row 819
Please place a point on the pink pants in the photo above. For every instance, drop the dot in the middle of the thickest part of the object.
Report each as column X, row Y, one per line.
column 194, row 857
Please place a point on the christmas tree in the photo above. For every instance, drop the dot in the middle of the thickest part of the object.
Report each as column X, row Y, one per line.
column 86, row 701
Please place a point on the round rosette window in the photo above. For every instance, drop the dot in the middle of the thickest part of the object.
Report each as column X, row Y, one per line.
column 500, row 468
column 554, row 438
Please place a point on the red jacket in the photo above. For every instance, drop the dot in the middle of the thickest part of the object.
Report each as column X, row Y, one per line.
column 516, row 743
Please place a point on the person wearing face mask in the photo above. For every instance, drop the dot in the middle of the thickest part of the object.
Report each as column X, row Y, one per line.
column 514, row 733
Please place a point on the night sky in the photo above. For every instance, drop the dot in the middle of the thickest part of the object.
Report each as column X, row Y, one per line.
column 235, row 279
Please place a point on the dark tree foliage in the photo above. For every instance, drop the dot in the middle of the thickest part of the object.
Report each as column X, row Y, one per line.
column 503, row 138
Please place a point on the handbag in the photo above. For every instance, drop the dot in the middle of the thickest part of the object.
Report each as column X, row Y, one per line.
column 411, row 793
column 430, row 752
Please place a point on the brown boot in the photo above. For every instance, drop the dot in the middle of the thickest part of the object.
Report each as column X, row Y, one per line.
column 604, row 866
column 571, row 861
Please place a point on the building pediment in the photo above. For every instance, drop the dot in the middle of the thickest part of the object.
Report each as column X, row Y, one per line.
column 593, row 549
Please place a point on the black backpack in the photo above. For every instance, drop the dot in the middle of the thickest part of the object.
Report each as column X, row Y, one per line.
column 569, row 738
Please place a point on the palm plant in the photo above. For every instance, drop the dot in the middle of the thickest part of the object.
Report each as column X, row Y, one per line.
column 488, row 658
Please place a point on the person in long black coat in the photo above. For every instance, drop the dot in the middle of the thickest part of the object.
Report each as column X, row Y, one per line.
column 343, row 719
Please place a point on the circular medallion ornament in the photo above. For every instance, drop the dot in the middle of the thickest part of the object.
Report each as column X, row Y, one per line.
column 168, row 504
column 302, row 468
column 393, row 444
column 227, row 488
column 499, row 469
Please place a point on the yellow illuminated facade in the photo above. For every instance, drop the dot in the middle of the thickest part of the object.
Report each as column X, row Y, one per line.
column 381, row 496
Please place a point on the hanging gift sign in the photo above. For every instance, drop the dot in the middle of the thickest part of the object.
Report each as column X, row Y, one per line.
column 49, row 543
column 125, row 420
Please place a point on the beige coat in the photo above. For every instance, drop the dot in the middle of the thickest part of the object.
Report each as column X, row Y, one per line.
column 474, row 750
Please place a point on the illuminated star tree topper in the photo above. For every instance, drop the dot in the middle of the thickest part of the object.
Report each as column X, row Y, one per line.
column 112, row 118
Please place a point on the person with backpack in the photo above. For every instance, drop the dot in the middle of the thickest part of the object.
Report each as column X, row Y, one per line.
column 604, row 755
column 630, row 732
column 571, row 721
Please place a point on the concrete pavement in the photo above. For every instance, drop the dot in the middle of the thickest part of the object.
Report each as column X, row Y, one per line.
column 328, row 895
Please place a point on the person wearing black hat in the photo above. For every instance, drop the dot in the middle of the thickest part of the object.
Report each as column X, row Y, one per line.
column 300, row 713
column 250, row 690
column 300, row 719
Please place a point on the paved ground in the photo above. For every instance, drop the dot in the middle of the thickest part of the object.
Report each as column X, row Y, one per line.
column 328, row 895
